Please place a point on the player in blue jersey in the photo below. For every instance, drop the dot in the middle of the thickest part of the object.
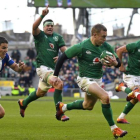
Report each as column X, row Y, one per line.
column 5, row 60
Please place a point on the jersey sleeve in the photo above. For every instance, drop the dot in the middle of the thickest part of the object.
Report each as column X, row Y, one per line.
column 39, row 36
column 131, row 47
column 75, row 50
column 10, row 61
column 61, row 42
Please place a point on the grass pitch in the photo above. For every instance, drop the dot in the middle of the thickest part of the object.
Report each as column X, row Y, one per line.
column 40, row 123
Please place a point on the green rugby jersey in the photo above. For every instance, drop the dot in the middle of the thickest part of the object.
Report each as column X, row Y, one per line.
column 47, row 48
column 133, row 67
column 89, row 57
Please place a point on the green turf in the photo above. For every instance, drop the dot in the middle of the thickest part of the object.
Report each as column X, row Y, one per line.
column 40, row 123
column 93, row 3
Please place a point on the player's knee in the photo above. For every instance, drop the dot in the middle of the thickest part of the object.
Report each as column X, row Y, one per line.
column 87, row 106
column 40, row 93
column 59, row 85
column 105, row 99
column 134, row 101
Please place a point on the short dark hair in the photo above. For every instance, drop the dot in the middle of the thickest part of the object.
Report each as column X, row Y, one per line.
column 3, row 40
column 50, row 20
column 97, row 28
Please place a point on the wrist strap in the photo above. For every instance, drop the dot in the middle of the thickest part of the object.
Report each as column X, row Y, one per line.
column 42, row 16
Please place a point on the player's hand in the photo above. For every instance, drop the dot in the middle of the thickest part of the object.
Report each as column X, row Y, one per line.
column 56, row 82
column 111, row 61
column 53, row 80
column 21, row 66
column 45, row 11
column 55, row 59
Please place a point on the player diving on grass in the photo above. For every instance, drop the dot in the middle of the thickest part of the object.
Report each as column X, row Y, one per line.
column 131, row 77
column 90, row 75
column 47, row 44
column 5, row 60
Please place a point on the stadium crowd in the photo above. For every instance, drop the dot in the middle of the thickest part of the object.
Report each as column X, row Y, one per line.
column 68, row 72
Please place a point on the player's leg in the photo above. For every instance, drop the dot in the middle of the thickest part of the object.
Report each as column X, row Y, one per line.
column 41, row 91
column 57, row 95
column 2, row 111
column 58, row 88
column 43, row 87
column 128, row 107
column 86, row 104
column 106, row 108
column 130, row 82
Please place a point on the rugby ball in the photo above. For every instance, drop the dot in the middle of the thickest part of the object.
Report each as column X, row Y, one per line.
column 104, row 54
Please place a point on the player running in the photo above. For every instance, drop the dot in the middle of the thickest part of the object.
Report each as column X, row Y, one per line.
column 47, row 44
column 90, row 75
column 131, row 77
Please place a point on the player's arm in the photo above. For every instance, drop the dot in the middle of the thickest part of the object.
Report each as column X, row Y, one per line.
column 35, row 29
column 120, row 52
column 18, row 67
column 113, row 61
column 63, row 48
column 58, row 66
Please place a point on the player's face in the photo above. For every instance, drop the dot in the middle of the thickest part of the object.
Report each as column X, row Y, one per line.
column 100, row 38
column 48, row 29
column 3, row 49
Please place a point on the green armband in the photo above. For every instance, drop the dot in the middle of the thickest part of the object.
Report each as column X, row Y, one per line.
column 42, row 16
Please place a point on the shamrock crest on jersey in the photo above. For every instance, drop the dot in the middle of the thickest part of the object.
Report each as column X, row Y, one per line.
column 51, row 45
column 55, row 38
column 96, row 60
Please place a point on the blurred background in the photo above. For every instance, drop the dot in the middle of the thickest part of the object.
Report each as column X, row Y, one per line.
column 73, row 20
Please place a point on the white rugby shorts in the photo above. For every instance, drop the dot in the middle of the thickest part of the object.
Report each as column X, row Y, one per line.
column 131, row 80
column 84, row 82
column 41, row 72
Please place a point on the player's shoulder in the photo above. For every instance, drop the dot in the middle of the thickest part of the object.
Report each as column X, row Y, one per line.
column 56, row 34
column 106, row 44
column 85, row 42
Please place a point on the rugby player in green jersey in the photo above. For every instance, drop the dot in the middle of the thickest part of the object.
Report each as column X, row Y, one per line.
column 47, row 44
column 90, row 75
column 131, row 77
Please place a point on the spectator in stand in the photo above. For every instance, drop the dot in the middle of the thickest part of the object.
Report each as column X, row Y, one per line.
column 31, row 89
column 16, row 54
column 31, row 53
column 22, row 90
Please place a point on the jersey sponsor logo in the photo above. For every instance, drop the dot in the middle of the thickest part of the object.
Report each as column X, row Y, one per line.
column 96, row 60
column 51, row 45
column 51, row 50
column 55, row 38
column 88, row 52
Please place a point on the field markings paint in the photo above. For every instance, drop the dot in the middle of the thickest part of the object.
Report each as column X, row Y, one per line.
column 86, row 1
